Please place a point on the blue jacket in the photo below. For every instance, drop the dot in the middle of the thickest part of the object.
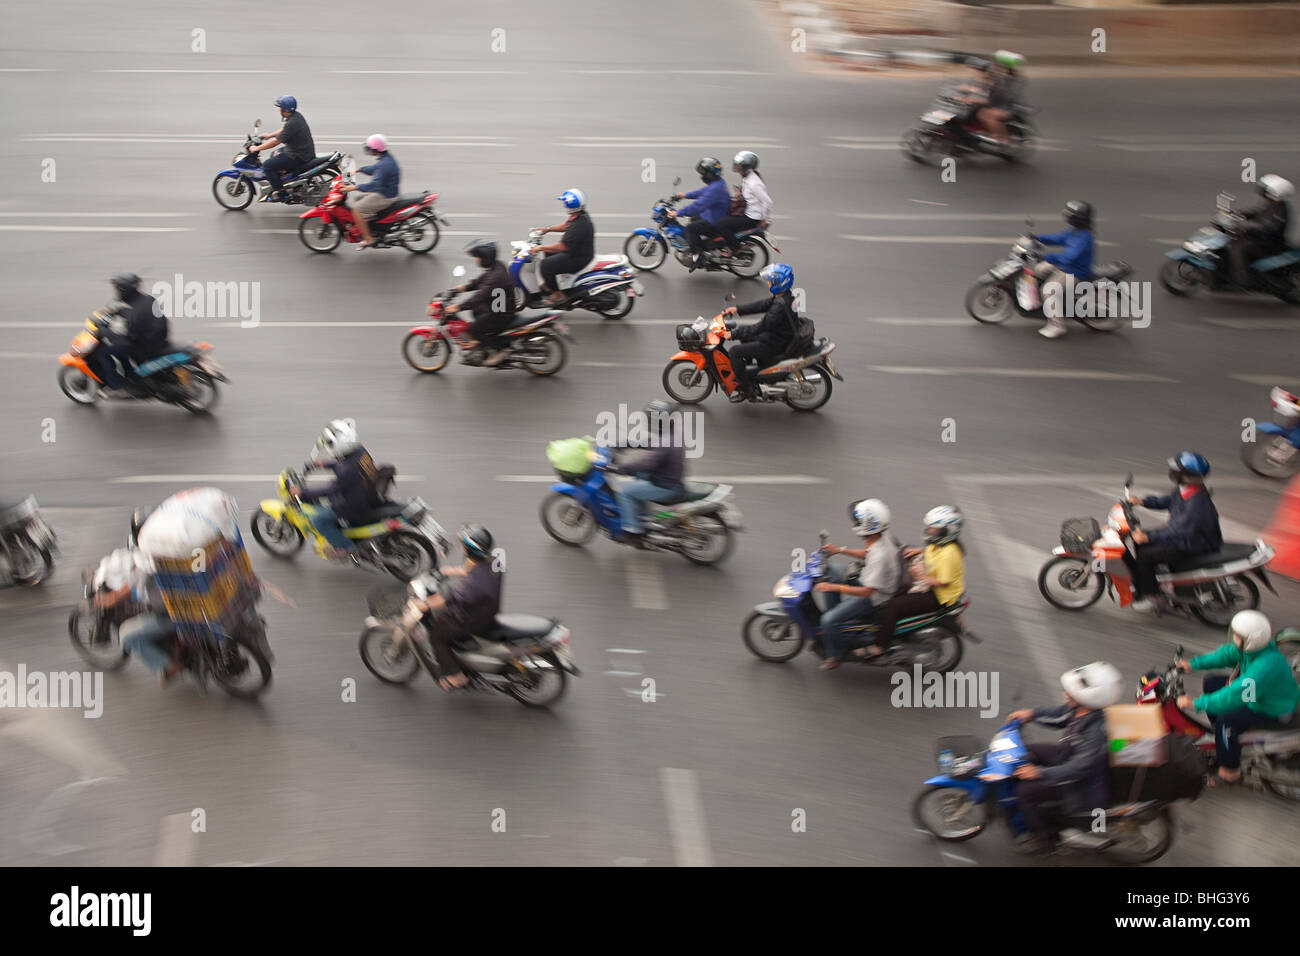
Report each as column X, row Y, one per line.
column 385, row 177
column 1077, row 257
column 1193, row 522
column 712, row 202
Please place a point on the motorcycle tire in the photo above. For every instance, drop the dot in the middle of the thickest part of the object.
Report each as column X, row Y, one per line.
column 240, row 191
column 110, row 655
column 1098, row 586
column 36, row 564
column 751, row 259
column 672, row 378
column 539, row 699
column 374, row 644
column 989, row 303
column 325, row 234
column 715, row 530
column 937, row 793
column 758, row 634
column 252, row 657
column 1181, row 278
column 645, row 254
column 820, row 392
column 1254, row 455
column 1023, row 145
column 1159, row 819
column 427, row 560
column 613, row 304
column 1215, row 619
column 584, row 524
column 557, row 354
column 78, row 386
column 200, row 395
column 426, row 353
column 270, row 533
column 430, row 233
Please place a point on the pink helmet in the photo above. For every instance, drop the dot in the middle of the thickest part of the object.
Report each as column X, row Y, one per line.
column 377, row 143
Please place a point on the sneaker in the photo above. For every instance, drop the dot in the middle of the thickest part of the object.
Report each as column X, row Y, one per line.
column 1052, row 331
column 1143, row 606
column 496, row 358
column 741, row 394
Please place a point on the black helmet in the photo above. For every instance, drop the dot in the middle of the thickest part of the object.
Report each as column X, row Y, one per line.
column 484, row 250
column 138, row 518
column 1078, row 214
column 476, row 540
column 125, row 282
column 709, row 169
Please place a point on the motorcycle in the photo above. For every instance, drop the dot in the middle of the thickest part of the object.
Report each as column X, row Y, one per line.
column 535, row 342
column 1010, row 287
column 1269, row 757
column 182, row 375
column 698, row 525
column 400, row 538
column 1202, row 262
column 803, row 382
column 777, row 631
column 235, row 188
column 1210, row 587
column 240, row 665
column 647, row 249
column 976, row 783
column 1276, row 456
column 409, row 221
column 950, row 129
column 522, row 655
column 27, row 544
column 604, row 286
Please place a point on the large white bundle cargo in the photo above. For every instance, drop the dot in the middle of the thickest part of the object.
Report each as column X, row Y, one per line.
column 189, row 519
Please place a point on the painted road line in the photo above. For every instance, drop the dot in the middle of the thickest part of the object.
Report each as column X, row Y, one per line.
column 645, row 579
column 881, row 147
column 934, row 321
column 28, row 69
column 7, row 228
column 177, row 841
column 430, row 72
column 712, row 479
column 189, row 71
column 25, row 355
column 294, row 232
column 598, row 72
column 677, row 144
column 946, row 216
column 597, row 364
column 1021, row 478
column 1243, row 148
column 1086, row 374
column 686, row 817
column 192, row 479
column 943, row 240
column 100, row 215
column 1257, row 325
column 1287, row 380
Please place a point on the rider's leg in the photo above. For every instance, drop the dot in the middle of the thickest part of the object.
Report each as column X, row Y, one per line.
column 632, row 495
column 364, row 207
column 849, row 610
column 143, row 635
column 326, row 523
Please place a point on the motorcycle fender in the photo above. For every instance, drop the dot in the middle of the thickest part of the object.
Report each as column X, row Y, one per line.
column 970, row 785
column 426, row 330
column 231, row 173
column 1182, row 255
column 648, row 233
column 273, row 507
column 987, row 278
column 1263, row 577
column 67, row 358
column 1268, row 428
column 694, row 357
column 316, row 213
column 772, row 609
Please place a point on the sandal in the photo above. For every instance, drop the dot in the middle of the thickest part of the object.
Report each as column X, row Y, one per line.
column 829, row 664
column 1214, row 780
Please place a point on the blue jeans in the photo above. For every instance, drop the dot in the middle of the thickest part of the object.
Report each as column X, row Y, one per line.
column 846, row 611
column 324, row 520
column 279, row 166
column 143, row 635
column 107, row 368
column 632, row 495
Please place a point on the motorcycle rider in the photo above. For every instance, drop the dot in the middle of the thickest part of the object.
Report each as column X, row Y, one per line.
column 149, row 632
column 938, row 572
column 1075, row 770
column 576, row 248
column 768, row 339
column 878, row 582
column 712, row 203
column 137, row 332
column 1261, row 694
column 1001, row 90
column 657, row 472
column 1076, row 259
column 378, row 194
column 1193, row 527
column 299, row 149
column 493, row 302
column 348, row 494
column 473, row 602
column 1263, row 231
column 752, row 191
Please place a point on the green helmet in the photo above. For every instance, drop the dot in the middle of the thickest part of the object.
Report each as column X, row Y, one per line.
column 1012, row 61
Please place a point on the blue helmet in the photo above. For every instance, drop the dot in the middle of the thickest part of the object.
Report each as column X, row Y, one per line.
column 573, row 199
column 286, row 102
column 780, row 277
column 1190, row 463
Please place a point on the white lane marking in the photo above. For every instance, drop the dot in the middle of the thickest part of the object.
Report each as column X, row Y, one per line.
column 630, row 861
column 622, row 650
column 1170, row 217
column 25, row 355
column 28, row 69
column 957, row 856
column 686, row 817
column 1086, row 374
column 934, row 321
column 929, row 202
column 644, row 144
column 294, row 232
column 100, row 215
column 645, row 579
column 41, row 325
column 1084, row 481
column 177, row 841
column 189, row 71
column 1288, row 380
column 183, row 479
column 1041, row 146
column 592, row 364
column 319, row 324
column 38, row 832
column 712, row 479
column 942, row 240
column 947, row 216
column 7, row 228
column 213, row 140
column 1203, row 147
column 666, row 72
column 430, row 72
column 1256, row 325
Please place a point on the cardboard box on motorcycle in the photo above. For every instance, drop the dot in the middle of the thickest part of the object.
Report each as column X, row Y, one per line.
column 1137, row 735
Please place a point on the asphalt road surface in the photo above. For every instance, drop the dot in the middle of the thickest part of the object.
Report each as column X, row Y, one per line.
column 717, row 766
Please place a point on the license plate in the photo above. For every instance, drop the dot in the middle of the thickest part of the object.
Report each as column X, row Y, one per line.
column 565, row 657
column 638, row 288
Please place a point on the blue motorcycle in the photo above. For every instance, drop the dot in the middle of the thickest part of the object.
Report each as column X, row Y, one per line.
column 1202, row 262
column 236, row 187
column 1278, row 454
column 698, row 525
column 605, row 285
column 975, row 783
column 648, row 248
column 777, row 631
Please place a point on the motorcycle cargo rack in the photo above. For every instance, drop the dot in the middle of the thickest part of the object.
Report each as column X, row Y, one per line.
column 689, row 337
column 1078, row 534
column 967, row 754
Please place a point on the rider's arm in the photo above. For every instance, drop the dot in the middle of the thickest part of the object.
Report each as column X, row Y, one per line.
column 1220, row 657
column 753, row 308
column 1182, row 530
column 1156, row 502
column 269, row 141
column 1229, row 697
column 1052, row 716
column 1089, row 754
column 1051, row 238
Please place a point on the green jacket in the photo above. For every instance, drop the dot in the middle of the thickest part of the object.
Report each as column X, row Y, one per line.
column 1273, row 687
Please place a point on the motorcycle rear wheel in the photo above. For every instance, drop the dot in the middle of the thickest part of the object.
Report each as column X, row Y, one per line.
column 749, row 260
column 935, row 807
column 763, row 634
column 613, row 304
column 29, row 563
column 107, row 654
column 392, row 667
column 1074, row 575
column 1141, row 839
column 541, row 685
column 989, row 303
column 1255, row 456
column 813, row 393
column 1022, row 146
column 937, row 649
column 1245, row 597
column 320, row 235
column 78, row 386
column 714, row 539
column 422, row 233
column 555, row 352
column 406, row 554
column 233, row 192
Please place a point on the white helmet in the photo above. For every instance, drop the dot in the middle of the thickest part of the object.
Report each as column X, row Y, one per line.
column 1094, row 685
column 870, row 516
column 1276, row 188
column 1254, row 628
column 336, row 440
column 948, row 520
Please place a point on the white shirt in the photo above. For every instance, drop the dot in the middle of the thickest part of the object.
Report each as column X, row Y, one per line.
column 881, row 570
column 758, row 204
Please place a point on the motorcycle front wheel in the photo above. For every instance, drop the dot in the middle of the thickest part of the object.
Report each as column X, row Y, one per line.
column 198, row 391
column 1080, row 587
column 1181, row 278
column 772, row 639
column 78, row 386
column 949, row 814
column 103, row 649
column 320, row 235
column 645, row 252
column 29, row 563
column 1022, row 144
column 924, row 147
column 989, row 303
column 276, row 535
column 1271, row 458
column 567, row 521
column 426, row 353
column 686, row 383
column 233, row 192
column 390, row 661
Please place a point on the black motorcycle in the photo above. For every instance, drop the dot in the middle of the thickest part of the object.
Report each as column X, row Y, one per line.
column 27, row 544
column 236, row 187
column 949, row 128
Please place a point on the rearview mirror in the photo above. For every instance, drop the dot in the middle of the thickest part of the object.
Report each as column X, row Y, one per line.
column 677, row 182
column 458, row 271
column 1128, row 480
column 257, row 124
column 823, row 535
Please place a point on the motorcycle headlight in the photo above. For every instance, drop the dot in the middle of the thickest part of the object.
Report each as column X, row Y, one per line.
column 783, row 589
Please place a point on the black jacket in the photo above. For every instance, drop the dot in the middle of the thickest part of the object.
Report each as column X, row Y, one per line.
column 146, row 326
column 664, row 466
column 775, row 331
column 1193, row 522
column 351, row 493
column 484, row 287
column 1084, row 774
column 1266, row 225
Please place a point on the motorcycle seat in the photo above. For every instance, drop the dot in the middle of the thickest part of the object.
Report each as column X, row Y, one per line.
column 756, row 231
column 1229, row 552
column 693, row 491
column 523, row 318
column 1260, row 734
column 519, row 627
column 604, row 262
column 565, row 279
column 1111, row 270
column 401, row 202
column 390, row 509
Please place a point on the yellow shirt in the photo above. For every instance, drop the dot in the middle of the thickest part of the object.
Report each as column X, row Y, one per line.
column 944, row 561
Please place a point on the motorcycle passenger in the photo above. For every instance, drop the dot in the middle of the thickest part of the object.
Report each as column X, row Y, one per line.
column 1193, row 527
column 378, row 194
column 878, row 582
column 752, row 192
column 767, row 340
column 1074, row 771
column 148, row 633
column 348, row 494
column 138, row 331
column 472, row 604
column 576, row 248
column 656, row 472
column 712, row 203
column 1003, row 89
column 1263, row 231
column 1076, row 259
column 299, row 149
column 493, row 302
column 1261, row 694
column 938, row 573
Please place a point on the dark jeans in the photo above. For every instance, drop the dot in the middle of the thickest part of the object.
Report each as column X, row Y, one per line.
column 279, row 166
column 730, row 225
column 1143, row 568
column 1241, row 253
column 903, row 605
column 1229, row 725
column 559, row 263
column 699, row 230
column 107, row 368
column 746, row 352
column 443, row 631
column 486, row 328
column 1032, row 794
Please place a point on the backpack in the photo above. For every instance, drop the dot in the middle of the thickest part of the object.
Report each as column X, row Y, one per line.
column 805, row 333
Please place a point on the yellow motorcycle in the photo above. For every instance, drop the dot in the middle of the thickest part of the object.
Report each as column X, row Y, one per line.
column 400, row 538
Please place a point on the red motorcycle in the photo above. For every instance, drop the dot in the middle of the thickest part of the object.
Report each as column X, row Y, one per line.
column 534, row 342
column 409, row 221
